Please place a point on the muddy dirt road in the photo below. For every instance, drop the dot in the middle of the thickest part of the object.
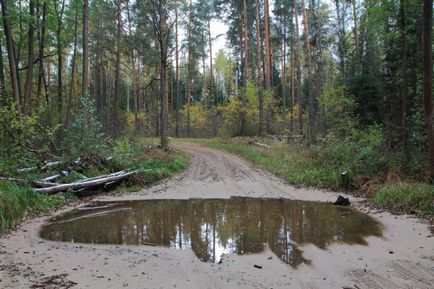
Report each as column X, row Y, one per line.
column 402, row 258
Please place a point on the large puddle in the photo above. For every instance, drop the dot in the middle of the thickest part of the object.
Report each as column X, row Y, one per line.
column 215, row 227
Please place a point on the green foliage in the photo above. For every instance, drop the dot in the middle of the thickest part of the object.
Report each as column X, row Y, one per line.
column 406, row 197
column 85, row 135
column 16, row 202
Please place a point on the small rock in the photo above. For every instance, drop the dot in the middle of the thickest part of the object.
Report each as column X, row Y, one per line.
column 342, row 201
column 257, row 266
column 391, row 252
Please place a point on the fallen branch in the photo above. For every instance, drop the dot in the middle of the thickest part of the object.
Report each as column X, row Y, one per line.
column 51, row 178
column 260, row 144
column 38, row 184
column 84, row 184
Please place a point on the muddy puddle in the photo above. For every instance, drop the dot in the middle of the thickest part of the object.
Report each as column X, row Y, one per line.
column 214, row 227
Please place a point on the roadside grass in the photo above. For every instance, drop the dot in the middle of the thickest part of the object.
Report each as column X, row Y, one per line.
column 154, row 164
column 300, row 166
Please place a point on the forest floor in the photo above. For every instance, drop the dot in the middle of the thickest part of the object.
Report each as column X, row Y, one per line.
column 402, row 258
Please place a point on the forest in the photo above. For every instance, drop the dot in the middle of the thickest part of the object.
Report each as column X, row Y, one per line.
column 346, row 85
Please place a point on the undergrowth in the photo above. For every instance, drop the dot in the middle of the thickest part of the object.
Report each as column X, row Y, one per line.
column 320, row 167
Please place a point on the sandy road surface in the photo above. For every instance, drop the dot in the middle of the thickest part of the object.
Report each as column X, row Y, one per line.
column 26, row 261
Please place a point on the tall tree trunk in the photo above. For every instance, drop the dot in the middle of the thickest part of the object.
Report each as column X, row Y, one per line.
column 117, row 71
column 427, row 80
column 404, row 78
column 267, row 46
column 356, row 34
column 291, row 120
column 85, row 72
column 259, row 80
column 2, row 78
column 245, row 69
column 163, row 38
column 189, row 70
column 283, row 68
column 59, row 60
column 29, row 76
column 133, row 68
column 310, row 96
column 178, row 94
column 11, row 55
column 211, row 76
column 297, row 64
column 72, row 89
column 41, row 76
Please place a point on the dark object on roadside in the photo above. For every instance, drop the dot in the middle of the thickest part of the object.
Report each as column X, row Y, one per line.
column 257, row 266
column 342, row 201
column 345, row 180
column 391, row 252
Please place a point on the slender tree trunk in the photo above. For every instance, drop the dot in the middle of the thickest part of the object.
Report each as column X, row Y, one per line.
column 60, row 60
column 11, row 55
column 259, row 80
column 178, row 95
column 41, row 76
column 2, row 78
column 85, row 72
column 29, row 76
column 267, row 46
column 189, row 71
column 310, row 96
column 291, row 121
column 283, row 68
column 356, row 35
column 404, row 79
column 427, row 80
column 245, row 69
column 117, row 71
column 72, row 91
column 163, row 38
column 211, row 76
column 297, row 64
column 133, row 72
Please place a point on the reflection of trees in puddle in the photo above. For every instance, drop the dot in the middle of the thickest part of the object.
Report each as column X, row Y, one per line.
column 215, row 227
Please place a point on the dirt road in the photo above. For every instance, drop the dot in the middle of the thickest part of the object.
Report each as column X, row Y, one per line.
column 403, row 258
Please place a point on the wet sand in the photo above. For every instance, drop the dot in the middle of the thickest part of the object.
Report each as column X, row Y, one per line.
column 402, row 258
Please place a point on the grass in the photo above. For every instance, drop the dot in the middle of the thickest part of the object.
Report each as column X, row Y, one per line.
column 300, row 166
column 154, row 164
column 18, row 201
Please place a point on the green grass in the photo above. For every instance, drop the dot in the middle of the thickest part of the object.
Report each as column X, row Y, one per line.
column 154, row 164
column 17, row 201
column 300, row 166
column 406, row 197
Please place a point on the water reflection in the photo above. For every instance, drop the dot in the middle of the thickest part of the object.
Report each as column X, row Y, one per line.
column 215, row 227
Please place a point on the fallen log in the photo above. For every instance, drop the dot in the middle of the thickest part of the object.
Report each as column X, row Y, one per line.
column 51, row 178
column 38, row 184
column 260, row 144
column 101, row 177
column 84, row 184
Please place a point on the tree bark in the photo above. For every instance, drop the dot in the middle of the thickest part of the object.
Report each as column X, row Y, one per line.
column 178, row 95
column 211, row 76
column 41, row 76
column 29, row 75
column 297, row 64
column 59, row 59
column 85, row 72
column 133, row 76
column 427, row 79
column 356, row 35
column 267, row 46
column 189, row 70
column 259, row 80
column 245, row 69
column 163, row 38
column 310, row 96
column 117, row 71
column 2, row 79
column 11, row 55
column 72, row 91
